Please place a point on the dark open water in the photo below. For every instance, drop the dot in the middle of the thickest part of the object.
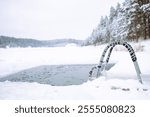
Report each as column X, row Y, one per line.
column 55, row 75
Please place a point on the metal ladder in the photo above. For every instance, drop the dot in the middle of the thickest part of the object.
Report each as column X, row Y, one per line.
column 110, row 48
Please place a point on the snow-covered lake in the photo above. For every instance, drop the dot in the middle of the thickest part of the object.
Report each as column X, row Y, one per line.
column 120, row 82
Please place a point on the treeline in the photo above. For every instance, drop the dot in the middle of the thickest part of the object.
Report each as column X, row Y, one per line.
column 11, row 42
column 128, row 21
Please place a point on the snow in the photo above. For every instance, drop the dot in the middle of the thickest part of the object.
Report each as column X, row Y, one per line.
column 16, row 59
column 120, row 82
column 146, row 7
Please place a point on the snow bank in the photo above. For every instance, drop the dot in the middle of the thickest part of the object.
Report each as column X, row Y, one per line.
column 97, row 89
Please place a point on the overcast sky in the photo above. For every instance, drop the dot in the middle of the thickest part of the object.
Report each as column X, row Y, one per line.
column 52, row 19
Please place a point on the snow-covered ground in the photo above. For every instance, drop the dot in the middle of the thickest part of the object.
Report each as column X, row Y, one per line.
column 120, row 82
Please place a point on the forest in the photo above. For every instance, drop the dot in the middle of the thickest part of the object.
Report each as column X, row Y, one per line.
column 11, row 42
column 129, row 21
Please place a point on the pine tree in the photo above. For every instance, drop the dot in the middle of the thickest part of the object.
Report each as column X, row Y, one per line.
column 145, row 17
column 122, row 23
column 129, row 21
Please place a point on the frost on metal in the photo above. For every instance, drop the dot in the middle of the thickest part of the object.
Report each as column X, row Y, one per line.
column 110, row 48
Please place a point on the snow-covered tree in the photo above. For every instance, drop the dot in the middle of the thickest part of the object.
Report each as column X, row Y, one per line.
column 145, row 7
column 128, row 21
column 133, row 13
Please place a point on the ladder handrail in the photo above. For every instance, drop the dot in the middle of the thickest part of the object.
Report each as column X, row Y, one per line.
column 110, row 48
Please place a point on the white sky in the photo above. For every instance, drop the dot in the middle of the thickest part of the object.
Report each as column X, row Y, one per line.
column 52, row 19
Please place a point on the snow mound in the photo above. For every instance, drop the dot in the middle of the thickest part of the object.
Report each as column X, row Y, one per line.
column 97, row 89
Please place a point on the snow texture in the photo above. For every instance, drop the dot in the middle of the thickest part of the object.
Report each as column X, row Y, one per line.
column 120, row 82
column 146, row 7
